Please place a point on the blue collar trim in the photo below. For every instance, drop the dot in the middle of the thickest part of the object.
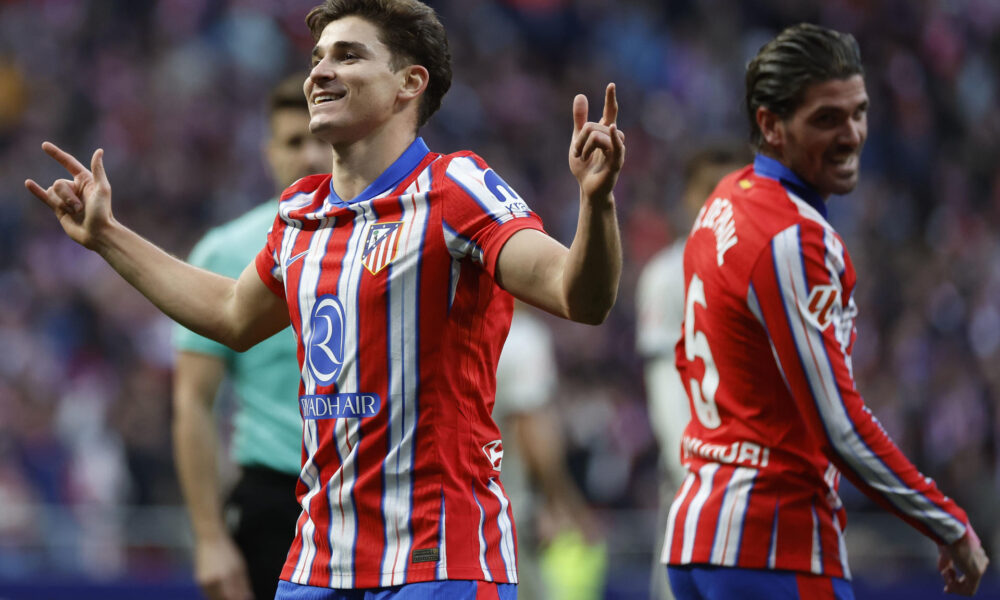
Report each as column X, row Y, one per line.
column 389, row 178
column 771, row 168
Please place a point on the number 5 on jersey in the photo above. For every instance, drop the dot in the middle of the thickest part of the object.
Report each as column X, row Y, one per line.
column 696, row 346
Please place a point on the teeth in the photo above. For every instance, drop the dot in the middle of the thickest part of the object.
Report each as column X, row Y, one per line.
column 321, row 99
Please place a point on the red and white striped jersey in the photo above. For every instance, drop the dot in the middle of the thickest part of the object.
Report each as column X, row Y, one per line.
column 400, row 325
column 765, row 354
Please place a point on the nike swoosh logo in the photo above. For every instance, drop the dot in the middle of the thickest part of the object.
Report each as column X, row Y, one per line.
column 289, row 262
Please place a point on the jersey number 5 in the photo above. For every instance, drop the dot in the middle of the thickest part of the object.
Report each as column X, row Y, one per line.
column 696, row 346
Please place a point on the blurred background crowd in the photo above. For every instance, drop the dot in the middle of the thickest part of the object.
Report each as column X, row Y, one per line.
column 174, row 91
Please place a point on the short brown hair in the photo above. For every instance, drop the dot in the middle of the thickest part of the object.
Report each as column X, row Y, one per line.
column 801, row 55
column 411, row 31
column 288, row 93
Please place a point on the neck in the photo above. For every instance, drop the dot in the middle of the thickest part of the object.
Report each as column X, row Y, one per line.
column 357, row 164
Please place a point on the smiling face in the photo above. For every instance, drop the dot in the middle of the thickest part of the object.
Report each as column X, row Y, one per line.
column 352, row 89
column 822, row 140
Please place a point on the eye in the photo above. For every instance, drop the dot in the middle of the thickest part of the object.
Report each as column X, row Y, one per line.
column 825, row 119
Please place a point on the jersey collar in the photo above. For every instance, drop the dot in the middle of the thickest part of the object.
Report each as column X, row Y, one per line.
column 771, row 168
column 389, row 178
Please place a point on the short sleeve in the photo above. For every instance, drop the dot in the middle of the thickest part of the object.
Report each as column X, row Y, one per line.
column 481, row 211
column 268, row 260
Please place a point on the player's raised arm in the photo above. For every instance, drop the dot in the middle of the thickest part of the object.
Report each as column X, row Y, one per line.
column 581, row 282
column 236, row 313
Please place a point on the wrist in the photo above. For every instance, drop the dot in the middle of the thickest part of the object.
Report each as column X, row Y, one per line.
column 103, row 236
column 598, row 200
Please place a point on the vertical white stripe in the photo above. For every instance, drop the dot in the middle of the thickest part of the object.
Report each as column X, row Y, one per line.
column 482, row 540
column 816, row 561
column 308, row 280
column 506, row 532
column 832, row 411
column 705, row 475
column 841, row 547
column 442, row 566
column 668, row 538
column 730, row 520
column 403, row 296
column 772, row 554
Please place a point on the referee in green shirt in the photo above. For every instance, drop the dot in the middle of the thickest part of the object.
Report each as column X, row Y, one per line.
column 240, row 556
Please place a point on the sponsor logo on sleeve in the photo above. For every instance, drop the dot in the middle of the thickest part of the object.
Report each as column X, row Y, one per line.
column 503, row 192
column 821, row 303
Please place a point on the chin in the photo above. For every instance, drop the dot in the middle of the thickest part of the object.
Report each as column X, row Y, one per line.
column 843, row 186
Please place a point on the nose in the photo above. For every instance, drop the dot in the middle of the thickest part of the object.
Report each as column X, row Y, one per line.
column 853, row 132
column 322, row 71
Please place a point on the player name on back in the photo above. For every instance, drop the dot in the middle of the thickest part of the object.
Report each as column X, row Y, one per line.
column 717, row 216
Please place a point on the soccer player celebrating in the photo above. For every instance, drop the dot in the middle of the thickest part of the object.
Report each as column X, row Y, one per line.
column 765, row 354
column 396, row 271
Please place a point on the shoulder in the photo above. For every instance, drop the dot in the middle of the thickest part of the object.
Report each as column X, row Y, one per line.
column 468, row 170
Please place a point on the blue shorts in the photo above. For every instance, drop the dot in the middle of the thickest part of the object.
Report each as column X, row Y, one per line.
column 708, row 582
column 429, row 590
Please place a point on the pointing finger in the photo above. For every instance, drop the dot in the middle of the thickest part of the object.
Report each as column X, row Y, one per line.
column 580, row 108
column 67, row 160
column 610, row 106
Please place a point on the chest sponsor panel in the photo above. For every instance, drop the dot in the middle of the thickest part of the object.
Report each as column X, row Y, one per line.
column 339, row 406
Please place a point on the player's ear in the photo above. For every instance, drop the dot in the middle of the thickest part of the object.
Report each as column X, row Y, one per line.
column 770, row 126
column 413, row 80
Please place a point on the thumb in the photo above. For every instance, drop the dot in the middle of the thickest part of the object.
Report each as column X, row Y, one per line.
column 97, row 168
column 580, row 108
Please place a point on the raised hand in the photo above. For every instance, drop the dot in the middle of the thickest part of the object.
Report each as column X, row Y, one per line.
column 82, row 204
column 597, row 150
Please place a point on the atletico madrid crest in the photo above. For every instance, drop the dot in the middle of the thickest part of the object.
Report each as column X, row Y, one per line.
column 380, row 247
